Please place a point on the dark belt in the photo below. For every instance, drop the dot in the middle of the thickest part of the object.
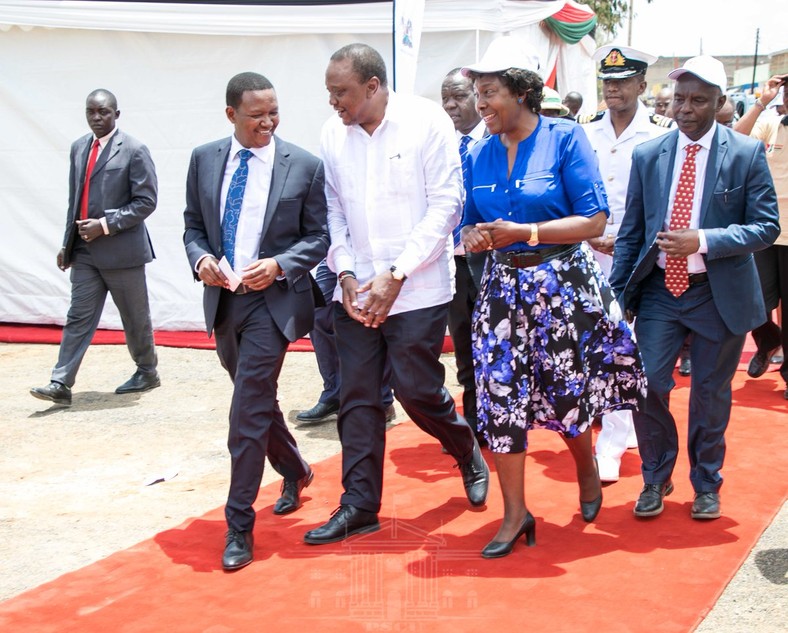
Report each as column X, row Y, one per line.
column 526, row 259
column 695, row 279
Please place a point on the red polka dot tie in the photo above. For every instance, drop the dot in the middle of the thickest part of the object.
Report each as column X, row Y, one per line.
column 676, row 274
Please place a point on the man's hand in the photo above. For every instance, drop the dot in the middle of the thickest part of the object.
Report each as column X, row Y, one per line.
column 383, row 291
column 61, row 257
column 349, row 287
column 90, row 229
column 771, row 88
column 474, row 240
column 603, row 244
column 208, row 271
column 260, row 274
column 680, row 243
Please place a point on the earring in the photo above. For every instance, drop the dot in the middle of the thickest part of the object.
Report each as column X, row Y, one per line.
column 520, row 100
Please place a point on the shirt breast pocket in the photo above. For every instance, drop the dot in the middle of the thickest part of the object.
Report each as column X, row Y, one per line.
column 536, row 183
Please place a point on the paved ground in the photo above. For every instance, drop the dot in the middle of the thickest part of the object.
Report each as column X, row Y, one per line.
column 72, row 479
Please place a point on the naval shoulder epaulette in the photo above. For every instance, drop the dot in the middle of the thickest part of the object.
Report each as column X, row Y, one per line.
column 590, row 118
column 661, row 121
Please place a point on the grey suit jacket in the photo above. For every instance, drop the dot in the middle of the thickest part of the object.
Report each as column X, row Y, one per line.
column 123, row 189
column 738, row 214
column 294, row 230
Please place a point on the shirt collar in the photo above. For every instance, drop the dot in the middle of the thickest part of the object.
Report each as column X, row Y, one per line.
column 265, row 154
column 704, row 141
column 105, row 139
column 476, row 134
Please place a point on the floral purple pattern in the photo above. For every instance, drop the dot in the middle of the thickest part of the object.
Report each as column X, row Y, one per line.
column 551, row 350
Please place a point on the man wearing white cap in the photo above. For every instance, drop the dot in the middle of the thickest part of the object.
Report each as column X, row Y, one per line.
column 700, row 201
column 614, row 134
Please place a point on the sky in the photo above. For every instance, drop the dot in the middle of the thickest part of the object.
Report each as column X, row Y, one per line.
column 726, row 27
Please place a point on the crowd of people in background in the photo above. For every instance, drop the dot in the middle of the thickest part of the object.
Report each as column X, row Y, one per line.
column 574, row 260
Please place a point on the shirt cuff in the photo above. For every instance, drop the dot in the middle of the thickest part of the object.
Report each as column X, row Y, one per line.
column 199, row 261
column 104, row 225
column 704, row 247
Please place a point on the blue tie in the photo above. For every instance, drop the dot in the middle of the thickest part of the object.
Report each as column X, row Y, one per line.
column 232, row 207
column 463, row 155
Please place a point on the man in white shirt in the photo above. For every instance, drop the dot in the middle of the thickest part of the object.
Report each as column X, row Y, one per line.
column 394, row 191
column 700, row 201
column 614, row 133
column 459, row 102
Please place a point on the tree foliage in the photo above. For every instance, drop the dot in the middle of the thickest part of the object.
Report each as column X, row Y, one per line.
column 610, row 14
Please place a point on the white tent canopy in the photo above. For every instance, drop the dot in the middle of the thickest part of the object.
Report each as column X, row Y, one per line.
column 168, row 64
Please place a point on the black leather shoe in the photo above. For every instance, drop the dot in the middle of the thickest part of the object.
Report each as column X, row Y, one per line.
column 290, row 500
column 759, row 362
column 475, row 476
column 346, row 521
column 319, row 413
column 649, row 503
column 238, row 550
column 706, row 506
column 685, row 367
column 54, row 392
column 497, row 549
column 589, row 509
column 140, row 382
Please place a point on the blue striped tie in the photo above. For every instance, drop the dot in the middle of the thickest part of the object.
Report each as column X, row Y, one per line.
column 463, row 156
column 232, row 207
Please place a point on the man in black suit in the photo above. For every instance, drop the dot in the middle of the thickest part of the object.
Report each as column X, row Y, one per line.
column 255, row 204
column 700, row 201
column 112, row 189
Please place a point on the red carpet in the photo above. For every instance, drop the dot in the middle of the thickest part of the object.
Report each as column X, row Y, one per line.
column 422, row 571
column 51, row 334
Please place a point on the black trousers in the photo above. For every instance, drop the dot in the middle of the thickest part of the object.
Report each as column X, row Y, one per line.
column 773, row 272
column 467, row 280
column 412, row 341
column 252, row 349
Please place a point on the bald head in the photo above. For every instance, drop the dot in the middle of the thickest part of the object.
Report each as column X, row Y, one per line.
column 725, row 114
column 662, row 101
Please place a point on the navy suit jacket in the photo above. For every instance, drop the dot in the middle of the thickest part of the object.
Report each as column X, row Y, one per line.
column 123, row 189
column 294, row 229
column 738, row 214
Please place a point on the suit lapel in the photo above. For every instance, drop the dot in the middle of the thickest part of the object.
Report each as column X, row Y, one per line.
column 278, row 178
column 108, row 153
column 719, row 147
column 80, row 166
column 665, row 162
column 221, row 157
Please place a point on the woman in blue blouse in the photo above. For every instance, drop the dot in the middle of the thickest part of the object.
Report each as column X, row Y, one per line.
column 551, row 348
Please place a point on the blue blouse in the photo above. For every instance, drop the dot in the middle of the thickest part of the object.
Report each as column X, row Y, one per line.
column 555, row 175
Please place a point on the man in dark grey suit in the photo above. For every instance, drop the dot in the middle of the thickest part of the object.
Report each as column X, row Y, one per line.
column 700, row 201
column 277, row 236
column 112, row 189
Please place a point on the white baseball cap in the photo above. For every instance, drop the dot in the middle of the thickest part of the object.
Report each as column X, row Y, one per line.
column 502, row 54
column 705, row 68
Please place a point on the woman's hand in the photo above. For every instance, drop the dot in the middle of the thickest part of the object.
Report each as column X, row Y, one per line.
column 474, row 240
column 503, row 233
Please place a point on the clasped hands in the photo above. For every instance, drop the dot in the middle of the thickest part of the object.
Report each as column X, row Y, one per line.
column 258, row 275
column 382, row 291
column 487, row 236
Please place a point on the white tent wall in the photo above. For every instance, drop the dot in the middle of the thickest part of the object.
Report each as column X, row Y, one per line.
column 170, row 89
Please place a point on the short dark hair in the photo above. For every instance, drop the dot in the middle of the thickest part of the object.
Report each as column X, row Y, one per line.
column 366, row 61
column 113, row 102
column 243, row 82
column 522, row 83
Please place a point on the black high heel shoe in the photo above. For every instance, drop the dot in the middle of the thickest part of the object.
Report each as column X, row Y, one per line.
column 498, row 549
column 589, row 509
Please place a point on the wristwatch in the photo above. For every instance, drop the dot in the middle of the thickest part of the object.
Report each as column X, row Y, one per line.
column 397, row 274
column 534, row 239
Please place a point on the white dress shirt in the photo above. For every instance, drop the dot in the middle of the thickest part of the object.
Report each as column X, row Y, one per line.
column 393, row 198
column 476, row 135
column 258, row 185
column 695, row 263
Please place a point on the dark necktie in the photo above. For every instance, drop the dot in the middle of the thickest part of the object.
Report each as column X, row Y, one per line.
column 83, row 205
column 464, row 141
column 232, row 206
column 676, row 273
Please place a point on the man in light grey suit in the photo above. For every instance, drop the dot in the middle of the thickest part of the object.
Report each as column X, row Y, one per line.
column 700, row 201
column 112, row 189
column 257, row 203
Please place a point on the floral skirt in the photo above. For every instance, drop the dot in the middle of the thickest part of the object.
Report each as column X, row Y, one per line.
column 551, row 349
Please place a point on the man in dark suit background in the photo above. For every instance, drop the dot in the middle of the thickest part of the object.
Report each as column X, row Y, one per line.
column 698, row 278
column 277, row 235
column 106, row 245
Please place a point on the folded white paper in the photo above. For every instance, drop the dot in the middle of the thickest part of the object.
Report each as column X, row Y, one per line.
column 228, row 272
